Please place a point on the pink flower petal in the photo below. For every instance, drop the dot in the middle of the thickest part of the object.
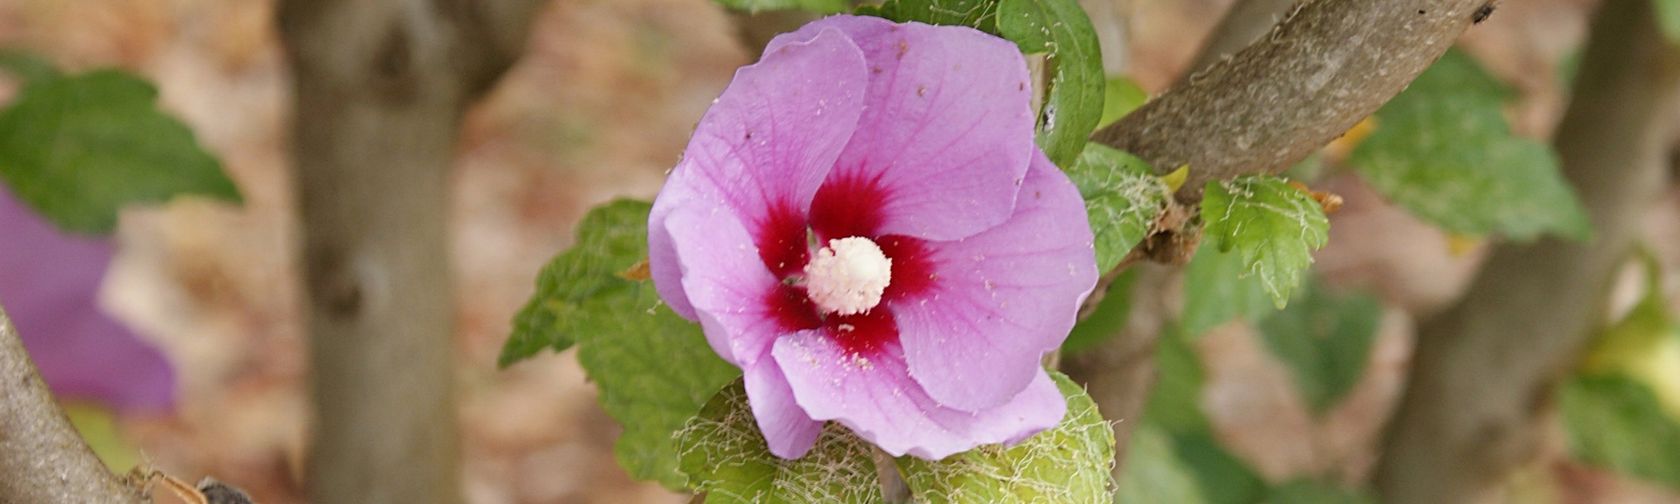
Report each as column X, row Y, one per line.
column 873, row 394
column 788, row 430
column 945, row 137
column 722, row 276
column 763, row 149
column 998, row 300
column 49, row 286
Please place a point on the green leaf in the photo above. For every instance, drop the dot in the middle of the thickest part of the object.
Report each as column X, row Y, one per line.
column 725, row 456
column 1325, row 338
column 1069, row 463
column 1443, row 150
column 77, row 149
column 1175, row 404
column 1074, row 102
column 979, row 14
column 1668, row 18
column 1121, row 96
column 1107, row 319
column 1122, row 199
column 1155, row 473
column 1223, row 478
column 654, row 369
column 1216, row 291
column 97, row 424
column 611, row 239
column 1644, row 344
column 1314, row 492
column 1640, row 333
column 1174, row 407
column 1273, row 226
column 27, row 67
column 1615, row 422
column 817, row 6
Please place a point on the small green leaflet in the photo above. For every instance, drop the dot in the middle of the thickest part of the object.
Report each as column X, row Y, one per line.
column 1154, row 472
column 1121, row 96
column 978, row 14
column 1325, row 338
column 1122, row 198
column 725, row 457
column 610, row 239
column 1074, row 103
column 1273, row 226
column 817, row 6
column 654, row 369
column 1067, row 464
column 1615, row 422
column 1217, row 291
column 79, row 148
column 1443, row 150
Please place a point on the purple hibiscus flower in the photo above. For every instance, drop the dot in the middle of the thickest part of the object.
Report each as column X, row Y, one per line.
column 49, row 286
column 862, row 223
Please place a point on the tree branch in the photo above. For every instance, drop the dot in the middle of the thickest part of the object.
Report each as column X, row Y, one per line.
column 1484, row 369
column 1329, row 64
column 1243, row 24
column 380, row 89
column 42, row 458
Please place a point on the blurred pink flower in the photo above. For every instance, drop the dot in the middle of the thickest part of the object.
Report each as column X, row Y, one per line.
column 49, row 286
column 862, row 223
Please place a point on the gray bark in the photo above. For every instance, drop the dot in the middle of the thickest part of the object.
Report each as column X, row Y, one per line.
column 380, row 89
column 42, row 458
column 1329, row 64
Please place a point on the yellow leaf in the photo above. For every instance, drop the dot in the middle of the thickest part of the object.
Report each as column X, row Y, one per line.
column 1340, row 147
column 1460, row 244
column 1176, row 179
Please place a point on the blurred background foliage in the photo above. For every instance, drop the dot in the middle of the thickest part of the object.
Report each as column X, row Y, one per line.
column 186, row 353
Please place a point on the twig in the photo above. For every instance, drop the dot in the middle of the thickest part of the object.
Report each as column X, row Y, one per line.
column 42, row 458
column 1329, row 64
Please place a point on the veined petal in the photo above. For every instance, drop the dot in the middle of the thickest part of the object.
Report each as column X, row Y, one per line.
column 787, row 429
column 729, row 287
column 762, row 150
column 944, row 140
column 873, row 395
column 997, row 301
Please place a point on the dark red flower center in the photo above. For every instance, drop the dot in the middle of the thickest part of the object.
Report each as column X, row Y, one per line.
column 847, row 205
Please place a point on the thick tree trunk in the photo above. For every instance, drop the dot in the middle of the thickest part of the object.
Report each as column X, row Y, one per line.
column 1485, row 368
column 42, row 458
column 380, row 88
